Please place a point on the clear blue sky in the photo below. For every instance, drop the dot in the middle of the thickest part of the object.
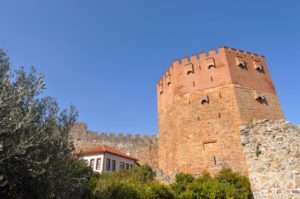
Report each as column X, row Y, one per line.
column 105, row 57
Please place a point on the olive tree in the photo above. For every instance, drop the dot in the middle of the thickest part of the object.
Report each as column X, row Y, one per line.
column 36, row 154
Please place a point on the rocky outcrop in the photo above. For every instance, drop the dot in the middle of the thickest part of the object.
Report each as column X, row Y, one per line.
column 272, row 151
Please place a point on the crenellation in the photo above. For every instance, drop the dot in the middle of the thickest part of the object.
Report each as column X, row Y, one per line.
column 154, row 138
column 185, row 60
column 92, row 135
column 111, row 136
column 212, row 53
column 120, row 137
column 146, row 138
column 103, row 136
column 137, row 137
column 176, row 62
column 245, row 53
column 128, row 137
column 203, row 55
column 194, row 58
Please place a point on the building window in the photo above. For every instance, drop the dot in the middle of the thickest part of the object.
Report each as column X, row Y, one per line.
column 87, row 162
column 113, row 165
column 127, row 166
column 107, row 164
column 169, row 79
column 210, row 62
column 92, row 162
column 204, row 99
column 189, row 69
column 98, row 164
column 122, row 165
column 240, row 62
column 131, row 165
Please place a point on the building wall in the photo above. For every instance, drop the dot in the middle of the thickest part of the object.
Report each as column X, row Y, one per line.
column 104, row 157
column 144, row 148
column 118, row 162
column 196, row 136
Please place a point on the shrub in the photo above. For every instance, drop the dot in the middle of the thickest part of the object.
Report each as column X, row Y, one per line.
column 134, row 183
column 226, row 184
column 156, row 190
column 240, row 184
column 142, row 174
column 181, row 181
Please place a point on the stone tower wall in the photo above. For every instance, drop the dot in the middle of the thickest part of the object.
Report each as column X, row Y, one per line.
column 142, row 147
column 202, row 101
column 184, row 142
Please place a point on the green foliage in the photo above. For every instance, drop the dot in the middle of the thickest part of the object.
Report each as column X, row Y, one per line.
column 129, row 184
column 156, row 190
column 142, row 174
column 181, row 182
column 36, row 154
column 136, row 183
column 226, row 184
column 240, row 183
column 257, row 150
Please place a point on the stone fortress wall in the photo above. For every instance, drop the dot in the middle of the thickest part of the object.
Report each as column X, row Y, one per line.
column 142, row 147
column 207, row 104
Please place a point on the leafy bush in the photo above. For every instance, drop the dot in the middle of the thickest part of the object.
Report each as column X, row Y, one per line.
column 156, row 190
column 240, row 184
column 225, row 184
column 181, row 182
column 136, row 183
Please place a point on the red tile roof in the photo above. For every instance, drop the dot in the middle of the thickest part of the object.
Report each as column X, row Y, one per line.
column 105, row 149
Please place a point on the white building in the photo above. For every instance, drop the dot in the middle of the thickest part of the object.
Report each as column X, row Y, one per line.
column 106, row 159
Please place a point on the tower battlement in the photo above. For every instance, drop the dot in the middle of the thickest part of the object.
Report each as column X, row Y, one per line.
column 212, row 69
column 210, row 54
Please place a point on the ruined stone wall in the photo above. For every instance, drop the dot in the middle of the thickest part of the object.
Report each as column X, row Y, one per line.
column 144, row 148
column 272, row 151
column 202, row 101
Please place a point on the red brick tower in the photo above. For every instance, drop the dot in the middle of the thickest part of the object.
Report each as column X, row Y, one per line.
column 203, row 100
